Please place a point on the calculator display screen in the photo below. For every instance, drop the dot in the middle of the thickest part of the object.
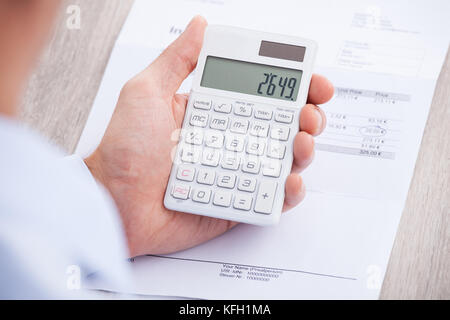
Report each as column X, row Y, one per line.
column 251, row 78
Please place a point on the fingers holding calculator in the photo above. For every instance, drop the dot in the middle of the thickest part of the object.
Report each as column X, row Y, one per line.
column 240, row 148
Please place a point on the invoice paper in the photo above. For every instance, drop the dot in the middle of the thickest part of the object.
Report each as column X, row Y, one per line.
column 384, row 58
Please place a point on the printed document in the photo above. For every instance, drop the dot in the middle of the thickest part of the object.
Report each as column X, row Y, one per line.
column 384, row 58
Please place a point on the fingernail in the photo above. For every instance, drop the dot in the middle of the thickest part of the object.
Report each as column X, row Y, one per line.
column 303, row 190
column 190, row 23
column 193, row 19
column 318, row 119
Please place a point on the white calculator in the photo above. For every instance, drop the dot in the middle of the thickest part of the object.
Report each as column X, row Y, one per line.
column 236, row 144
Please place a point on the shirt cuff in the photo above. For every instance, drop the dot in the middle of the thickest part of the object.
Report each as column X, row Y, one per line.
column 115, row 271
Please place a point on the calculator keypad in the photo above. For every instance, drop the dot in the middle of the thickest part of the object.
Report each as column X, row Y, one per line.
column 231, row 155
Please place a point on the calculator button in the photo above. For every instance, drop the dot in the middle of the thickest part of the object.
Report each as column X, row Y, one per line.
column 243, row 202
column 280, row 133
column 194, row 137
column 260, row 129
column 201, row 195
column 284, row 117
column 265, row 197
column 202, row 104
column 231, row 162
column 199, row 119
column 242, row 110
column 239, row 126
column 227, row 181
column 219, row 123
column 263, row 114
column 190, row 155
column 235, row 143
column 222, row 199
column 223, row 107
column 210, row 157
column 256, row 146
column 251, row 166
column 181, row 192
column 214, row 139
column 247, row 184
column 276, row 150
column 272, row 168
column 206, row 177
column 186, row 173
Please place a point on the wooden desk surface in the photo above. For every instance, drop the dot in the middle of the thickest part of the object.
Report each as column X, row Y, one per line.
column 62, row 89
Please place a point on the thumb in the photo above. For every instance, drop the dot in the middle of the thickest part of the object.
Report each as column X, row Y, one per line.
column 175, row 64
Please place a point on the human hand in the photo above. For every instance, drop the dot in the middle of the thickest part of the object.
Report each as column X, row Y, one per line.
column 134, row 161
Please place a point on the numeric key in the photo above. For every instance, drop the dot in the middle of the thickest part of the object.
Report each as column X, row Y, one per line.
column 214, row 139
column 201, row 195
column 252, row 165
column 231, row 161
column 210, row 157
column 235, row 143
column 247, row 184
column 256, row 146
column 226, row 180
column 206, row 177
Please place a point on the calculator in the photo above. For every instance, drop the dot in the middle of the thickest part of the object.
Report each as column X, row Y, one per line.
column 235, row 149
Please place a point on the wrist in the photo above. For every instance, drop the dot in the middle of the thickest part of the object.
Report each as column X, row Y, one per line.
column 93, row 162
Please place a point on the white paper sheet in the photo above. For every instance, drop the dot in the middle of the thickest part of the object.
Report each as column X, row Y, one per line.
column 384, row 58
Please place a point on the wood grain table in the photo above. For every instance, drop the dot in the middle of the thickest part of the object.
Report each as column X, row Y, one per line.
column 62, row 89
